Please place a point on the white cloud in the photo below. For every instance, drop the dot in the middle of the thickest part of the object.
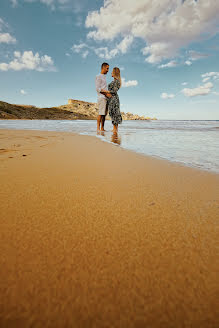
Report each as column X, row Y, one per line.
column 172, row 63
column 194, row 55
column 188, row 62
column 157, row 52
column 125, row 44
column 23, row 92
column 14, row 3
column 81, row 48
column 165, row 26
column 3, row 67
column 215, row 93
column 85, row 53
column 103, row 52
column 130, row 83
column 4, row 36
column 29, row 61
column 78, row 47
column 165, row 95
column 202, row 90
column 206, row 79
column 214, row 75
column 184, row 83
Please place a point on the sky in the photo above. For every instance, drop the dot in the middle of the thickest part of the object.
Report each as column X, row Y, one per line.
column 167, row 51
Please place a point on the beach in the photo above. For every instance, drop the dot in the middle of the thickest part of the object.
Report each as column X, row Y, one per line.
column 92, row 235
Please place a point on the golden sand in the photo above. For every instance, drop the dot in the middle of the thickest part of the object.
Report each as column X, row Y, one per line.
column 92, row 235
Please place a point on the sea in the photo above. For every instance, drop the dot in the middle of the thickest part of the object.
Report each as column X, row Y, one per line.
column 191, row 143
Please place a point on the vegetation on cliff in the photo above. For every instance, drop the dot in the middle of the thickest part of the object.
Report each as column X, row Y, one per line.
column 74, row 110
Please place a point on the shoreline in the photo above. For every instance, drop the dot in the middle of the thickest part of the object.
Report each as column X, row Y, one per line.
column 99, row 236
column 129, row 150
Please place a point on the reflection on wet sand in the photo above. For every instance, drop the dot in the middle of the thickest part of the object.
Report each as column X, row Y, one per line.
column 116, row 139
column 100, row 133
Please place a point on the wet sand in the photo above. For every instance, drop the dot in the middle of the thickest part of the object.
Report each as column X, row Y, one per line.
column 92, row 235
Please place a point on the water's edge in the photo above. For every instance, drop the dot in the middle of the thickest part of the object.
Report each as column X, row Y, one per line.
column 187, row 144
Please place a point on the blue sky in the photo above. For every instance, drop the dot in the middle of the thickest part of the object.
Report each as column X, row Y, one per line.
column 51, row 50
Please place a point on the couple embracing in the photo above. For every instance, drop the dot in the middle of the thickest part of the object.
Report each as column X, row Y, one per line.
column 108, row 99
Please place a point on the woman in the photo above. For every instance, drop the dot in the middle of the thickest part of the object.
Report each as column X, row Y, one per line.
column 113, row 102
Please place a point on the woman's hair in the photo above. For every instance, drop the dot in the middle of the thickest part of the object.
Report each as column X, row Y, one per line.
column 116, row 75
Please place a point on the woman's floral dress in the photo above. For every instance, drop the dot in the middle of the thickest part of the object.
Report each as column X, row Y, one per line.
column 113, row 103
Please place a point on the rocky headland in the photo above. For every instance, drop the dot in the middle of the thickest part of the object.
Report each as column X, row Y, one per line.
column 74, row 110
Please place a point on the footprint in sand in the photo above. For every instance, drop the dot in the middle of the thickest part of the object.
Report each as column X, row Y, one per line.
column 3, row 150
column 40, row 137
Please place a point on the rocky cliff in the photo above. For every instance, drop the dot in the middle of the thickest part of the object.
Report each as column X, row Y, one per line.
column 85, row 108
column 75, row 109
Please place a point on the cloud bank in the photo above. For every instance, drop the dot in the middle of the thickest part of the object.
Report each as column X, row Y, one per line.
column 165, row 26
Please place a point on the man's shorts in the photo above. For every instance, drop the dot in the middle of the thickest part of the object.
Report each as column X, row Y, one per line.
column 102, row 106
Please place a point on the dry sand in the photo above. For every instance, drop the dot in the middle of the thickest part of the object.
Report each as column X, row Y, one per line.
column 95, row 236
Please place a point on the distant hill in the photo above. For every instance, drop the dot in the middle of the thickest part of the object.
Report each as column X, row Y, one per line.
column 74, row 110
column 11, row 111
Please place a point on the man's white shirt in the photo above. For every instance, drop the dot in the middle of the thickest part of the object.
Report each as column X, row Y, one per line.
column 101, row 84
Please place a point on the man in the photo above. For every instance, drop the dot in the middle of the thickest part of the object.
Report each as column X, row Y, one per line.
column 101, row 88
